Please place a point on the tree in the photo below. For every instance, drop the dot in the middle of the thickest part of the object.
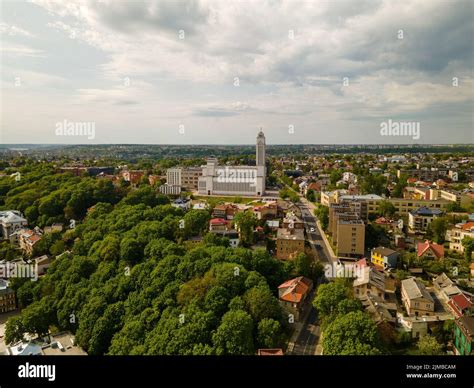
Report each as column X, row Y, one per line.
column 14, row 330
column 260, row 304
column 302, row 265
column 468, row 244
column 428, row 346
column 352, row 334
column 328, row 297
column 245, row 223
column 386, row 208
column 311, row 196
column 437, row 229
column 234, row 334
column 322, row 212
column 269, row 333
column 130, row 250
column 196, row 222
column 374, row 184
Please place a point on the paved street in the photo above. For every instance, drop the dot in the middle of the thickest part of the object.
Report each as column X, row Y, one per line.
column 315, row 239
column 308, row 339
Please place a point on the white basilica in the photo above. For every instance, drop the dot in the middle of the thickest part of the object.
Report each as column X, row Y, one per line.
column 235, row 180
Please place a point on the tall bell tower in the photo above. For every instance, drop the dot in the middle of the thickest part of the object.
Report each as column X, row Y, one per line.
column 260, row 156
column 260, row 163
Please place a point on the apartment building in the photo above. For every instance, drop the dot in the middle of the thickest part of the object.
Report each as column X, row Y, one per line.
column 170, row 189
column 289, row 243
column 463, row 199
column 368, row 204
column 456, row 234
column 350, row 238
column 10, row 222
column 416, row 298
column 421, row 218
column 187, row 177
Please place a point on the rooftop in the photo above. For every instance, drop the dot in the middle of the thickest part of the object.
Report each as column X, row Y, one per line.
column 416, row 289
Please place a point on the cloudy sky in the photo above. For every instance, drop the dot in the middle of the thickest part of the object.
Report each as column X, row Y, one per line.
column 204, row 72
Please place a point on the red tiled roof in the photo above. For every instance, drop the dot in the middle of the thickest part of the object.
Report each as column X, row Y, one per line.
column 461, row 301
column 270, row 352
column 296, row 289
column 467, row 226
column 438, row 250
column 218, row 221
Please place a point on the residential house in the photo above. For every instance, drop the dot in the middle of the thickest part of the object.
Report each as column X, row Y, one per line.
column 384, row 257
column 226, row 211
column 430, row 250
column 289, row 243
column 446, row 287
column 291, row 221
column 270, row 352
column 464, row 336
column 416, row 298
column 28, row 238
column 182, row 203
column 218, row 224
column 460, row 305
column 54, row 228
column 42, row 263
column 293, row 293
column 133, row 176
column 369, row 281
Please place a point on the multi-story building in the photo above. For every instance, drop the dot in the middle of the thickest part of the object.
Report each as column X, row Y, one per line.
column 456, row 235
column 384, row 257
column 464, row 336
column 186, row 177
column 235, row 180
column 28, row 238
column 421, row 218
column 404, row 206
column 350, row 238
column 416, row 298
column 289, row 243
column 170, row 189
column 463, row 199
column 10, row 222
column 293, row 293
column 7, row 297
column 133, row 176
column 370, row 281
column 292, row 221
column 368, row 204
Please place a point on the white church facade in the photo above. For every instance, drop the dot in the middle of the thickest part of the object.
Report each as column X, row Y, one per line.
column 235, row 180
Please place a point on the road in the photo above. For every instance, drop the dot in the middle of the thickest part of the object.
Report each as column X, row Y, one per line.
column 307, row 341
column 316, row 241
column 308, row 337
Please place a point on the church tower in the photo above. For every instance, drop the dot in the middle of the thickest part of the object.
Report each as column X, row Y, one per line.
column 260, row 156
column 260, row 162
